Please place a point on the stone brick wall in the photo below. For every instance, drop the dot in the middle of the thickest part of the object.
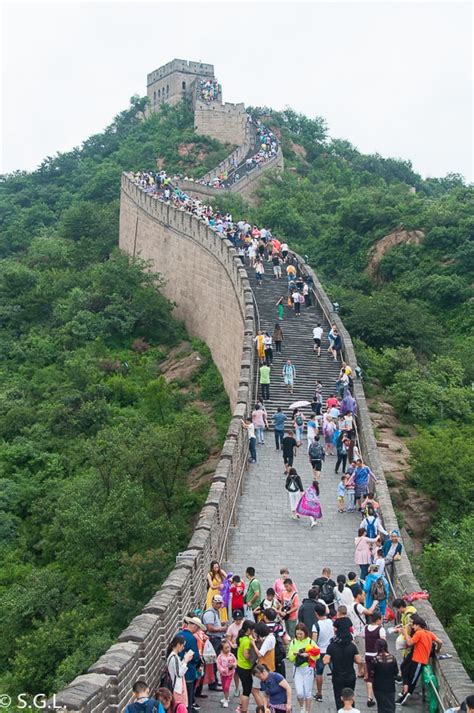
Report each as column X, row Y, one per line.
column 454, row 682
column 224, row 122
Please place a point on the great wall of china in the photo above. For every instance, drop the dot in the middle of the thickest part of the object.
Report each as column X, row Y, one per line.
column 216, row 293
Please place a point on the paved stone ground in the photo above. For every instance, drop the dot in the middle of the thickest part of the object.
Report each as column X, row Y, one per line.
column 267, row 538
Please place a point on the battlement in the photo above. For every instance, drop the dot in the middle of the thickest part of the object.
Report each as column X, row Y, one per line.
column 183, row 66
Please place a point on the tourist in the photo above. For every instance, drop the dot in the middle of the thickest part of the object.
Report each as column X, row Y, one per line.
column 267, row 341
column 280, row 305
column 168, row 702
column 362, row 477
column 142, row 701
column 259, row 420
column 342, row 593
column 188, row 631
column 296, row 297
column 245, row 663
column 298, row 425
column 307, row 610
column 289, row 375
column 303, row 676
column 277, row 336
column 372, row 633
column 309, row 504
column 329, row 429
column 274, row 687
column 237, row 591
column 279, row 419
column 253, row 595
column 226, row 665
column 359, row 614
column 294, row 486
column 215, row 579
column 419, row 637
column 276, row 262
column 265, row 380
column 215, row 630
column 316, row 457
column 289, row 446
column 279, row 585
column 347, row 700
column 270, row 618
column 231, row 636
column 177, row 668
column 317, row 338
column 341, row 494
column 259, row 271
column 322, row 634
column 384, row 672
column 342, row 654
column 271, row 601
column 289, row 606
column 372, row 523
column 363, row 551
column 342, row 448
column 250, row 428
column 260, row 344
column 392, row 550
column 264, row 645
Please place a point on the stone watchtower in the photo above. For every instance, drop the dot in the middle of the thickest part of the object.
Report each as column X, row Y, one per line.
column 175, row 81
column 181, row 79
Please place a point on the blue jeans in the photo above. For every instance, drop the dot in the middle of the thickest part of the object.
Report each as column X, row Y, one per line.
column 299, row 431
column 253, row 449
column 259, row 433
column 364, row 571
column 278, row 437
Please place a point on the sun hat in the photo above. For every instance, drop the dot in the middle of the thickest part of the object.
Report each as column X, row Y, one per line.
column 217, row 598
column 194, row 620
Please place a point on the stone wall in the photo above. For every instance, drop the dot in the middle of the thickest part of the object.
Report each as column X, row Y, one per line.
column 224, row 122
column 216, row 302
column 454, row 682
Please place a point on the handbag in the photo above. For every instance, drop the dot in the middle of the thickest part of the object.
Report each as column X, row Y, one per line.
column 209, row 653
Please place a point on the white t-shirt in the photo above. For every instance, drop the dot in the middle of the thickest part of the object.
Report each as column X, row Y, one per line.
column 358, row 620
column 317, row 332
column 251, row 430
column 268, row 644
column 326, row 632
column 296, row 297
column 353, row 710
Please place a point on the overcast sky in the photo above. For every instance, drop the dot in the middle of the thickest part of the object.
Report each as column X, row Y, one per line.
column 391, row 77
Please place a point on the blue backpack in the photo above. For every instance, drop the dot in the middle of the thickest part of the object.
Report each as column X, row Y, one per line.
column 371, row 528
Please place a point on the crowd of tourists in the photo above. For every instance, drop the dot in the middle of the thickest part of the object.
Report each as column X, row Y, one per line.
column 247, row 637
column 208, row 90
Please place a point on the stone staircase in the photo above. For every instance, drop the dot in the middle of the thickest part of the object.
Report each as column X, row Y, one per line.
column 297, row 345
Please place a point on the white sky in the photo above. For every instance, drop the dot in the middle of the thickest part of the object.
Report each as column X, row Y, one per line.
column 391, row 77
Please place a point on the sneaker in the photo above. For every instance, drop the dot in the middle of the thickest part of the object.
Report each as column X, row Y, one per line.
column 222, row 701
column 196, row 707
column 318, row 697
column 313, row 522
column 225, row 704
column 402, row 698
column 370, row 703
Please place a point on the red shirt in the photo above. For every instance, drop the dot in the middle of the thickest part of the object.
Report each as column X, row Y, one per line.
column 332, row 402
column 237, row 591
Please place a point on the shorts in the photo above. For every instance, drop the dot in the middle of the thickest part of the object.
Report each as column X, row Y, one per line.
column 369, row 676
column 288, row 458
column 245, row 675
column 319, row 665
column 317, row 465
column 317, row 341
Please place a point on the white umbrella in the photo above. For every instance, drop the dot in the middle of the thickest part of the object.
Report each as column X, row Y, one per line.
column 299, row 404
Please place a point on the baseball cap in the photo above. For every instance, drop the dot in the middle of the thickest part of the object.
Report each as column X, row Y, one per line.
column 217, row 598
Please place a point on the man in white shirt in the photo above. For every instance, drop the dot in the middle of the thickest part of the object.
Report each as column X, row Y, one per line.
column 317, row 337
column 323, row 632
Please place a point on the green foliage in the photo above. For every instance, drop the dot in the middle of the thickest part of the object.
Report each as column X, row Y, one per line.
column 96, row 446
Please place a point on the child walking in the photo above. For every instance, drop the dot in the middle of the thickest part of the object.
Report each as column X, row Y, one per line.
column 341, row 494
column 226, row 665
column 347, row 700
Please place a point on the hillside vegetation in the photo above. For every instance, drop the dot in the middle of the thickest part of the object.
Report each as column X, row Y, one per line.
column 94, row 499
column 411, row 320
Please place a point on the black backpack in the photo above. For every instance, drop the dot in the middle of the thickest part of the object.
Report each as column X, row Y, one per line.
column 316, row 451
column 327, row 592
column 280, row 650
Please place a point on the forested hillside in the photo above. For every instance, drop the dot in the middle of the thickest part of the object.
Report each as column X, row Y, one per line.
column 94, row 498
column 411, row 318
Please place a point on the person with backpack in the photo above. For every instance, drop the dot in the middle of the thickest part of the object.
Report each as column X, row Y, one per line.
column 298, row 424
column 322, row 634
column 376, row 589
column 326, row 588
column 294, row 486
column 359, row 614
column 289, row 375
column 142, row 703
column 316, row 457
column 307, row 610
column 372, row 524
column 290, row 603
column 270, row 618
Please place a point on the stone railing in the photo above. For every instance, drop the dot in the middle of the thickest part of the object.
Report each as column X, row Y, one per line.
column 139, row 650
column 454, row 682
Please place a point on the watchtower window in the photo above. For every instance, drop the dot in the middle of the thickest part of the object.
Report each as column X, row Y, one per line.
column 154, row 96
column 183, row 85
column 167, row 88
column 159, row 93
